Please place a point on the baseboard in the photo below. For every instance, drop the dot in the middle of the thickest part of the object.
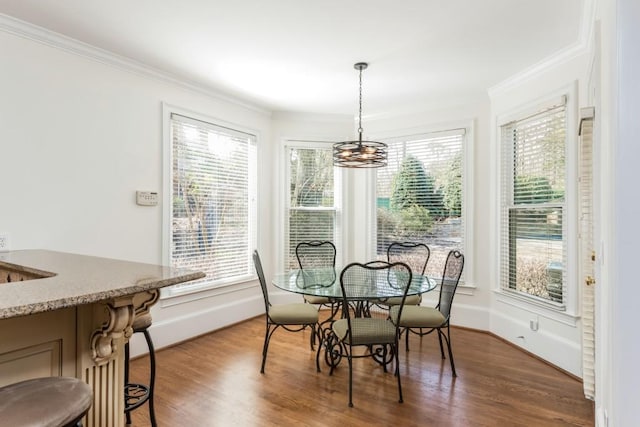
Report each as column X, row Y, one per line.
column 182, row 328
column 178, row 329
column 471, row 316
column 546, row 344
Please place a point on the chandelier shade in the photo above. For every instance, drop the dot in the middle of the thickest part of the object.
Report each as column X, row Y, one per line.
column 360, row 153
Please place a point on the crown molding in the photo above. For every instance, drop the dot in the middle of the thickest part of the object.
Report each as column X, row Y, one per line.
column 581, row 47
column 26, row 30
column 563, row 56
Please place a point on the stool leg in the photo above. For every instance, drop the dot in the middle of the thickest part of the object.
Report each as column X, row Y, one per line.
column 152, row 376
column 126, row 378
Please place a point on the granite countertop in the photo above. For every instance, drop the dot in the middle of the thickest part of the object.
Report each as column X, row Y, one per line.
column 76, row 280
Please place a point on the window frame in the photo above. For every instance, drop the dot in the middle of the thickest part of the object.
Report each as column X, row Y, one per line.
column 187, row 293
column 566, row 313
column 467, row 283
column 292, row 143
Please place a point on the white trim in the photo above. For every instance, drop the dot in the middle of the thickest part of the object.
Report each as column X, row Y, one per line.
column 587, row 22
column 55, row 40
column 466, row 289
column 199, row 292
column 533, row 107
column 462, row 289
column 571, row 191
column 539, row 308
column 581, row 47
column 564, row 55
column 470, row 316
column 602, row 418
column 465, row 123
column 545, row 342
column 284, row 207
column 468, row 207
column 180, row 328
column 208, row 292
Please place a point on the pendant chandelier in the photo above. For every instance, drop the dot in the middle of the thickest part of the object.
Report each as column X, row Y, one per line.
column 360, row 154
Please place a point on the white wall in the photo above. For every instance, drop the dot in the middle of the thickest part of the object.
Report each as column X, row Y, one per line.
column 77, row 138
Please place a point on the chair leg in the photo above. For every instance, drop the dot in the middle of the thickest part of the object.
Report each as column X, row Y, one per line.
column 448, row 339
column 265, row 347
column 312, row 338
column 440, row 335
column 406, row 344
column 320, row 344
column 152, row 376
column 350, row 379
column 395, row 350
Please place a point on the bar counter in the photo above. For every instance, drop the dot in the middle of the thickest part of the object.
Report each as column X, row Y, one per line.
column 64, row 314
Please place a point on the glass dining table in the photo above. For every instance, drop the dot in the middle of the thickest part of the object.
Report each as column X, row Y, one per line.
column 325, row 282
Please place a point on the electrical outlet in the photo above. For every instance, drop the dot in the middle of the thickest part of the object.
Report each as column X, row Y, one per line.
column 533, row 324
column 4, row 242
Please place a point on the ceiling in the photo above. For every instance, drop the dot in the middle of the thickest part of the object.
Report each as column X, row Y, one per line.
column 298, row 55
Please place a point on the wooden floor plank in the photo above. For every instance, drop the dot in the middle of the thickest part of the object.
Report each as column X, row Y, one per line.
column 215, row 380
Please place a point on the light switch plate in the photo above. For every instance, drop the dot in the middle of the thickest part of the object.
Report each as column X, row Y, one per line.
column 146, row 198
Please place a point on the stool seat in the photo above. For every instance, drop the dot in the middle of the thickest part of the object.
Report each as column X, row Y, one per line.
column 140, row 323
column 45, row 402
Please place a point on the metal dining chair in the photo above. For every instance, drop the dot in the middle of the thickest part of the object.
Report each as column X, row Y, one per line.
column 416, row 256
column 291, row 317
column 424, row 320
column 317, row 254
column 379, row 335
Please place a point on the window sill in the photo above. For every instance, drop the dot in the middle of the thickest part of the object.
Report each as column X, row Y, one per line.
column 539, row 308
column 171, row 297
column 466, row 289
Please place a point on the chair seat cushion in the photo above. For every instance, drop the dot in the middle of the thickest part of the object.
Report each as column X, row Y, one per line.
column 414, row 316
column 44, row 402
column 312, row 299
column 293, row 314
column 411, row 300
column 366, row 330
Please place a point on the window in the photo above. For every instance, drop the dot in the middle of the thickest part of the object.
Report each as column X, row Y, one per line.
column 312, row 208
column 212, row 201
column 420, row 195
column 533, row 237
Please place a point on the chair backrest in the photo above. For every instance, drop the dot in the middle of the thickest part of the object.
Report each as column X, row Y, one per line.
column 415, row 255
column 316, row 254
column 263, row 283
column 450, row 278
column 356, row 281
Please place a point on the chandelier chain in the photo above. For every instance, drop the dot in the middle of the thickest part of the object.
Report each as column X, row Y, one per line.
column 360, row 110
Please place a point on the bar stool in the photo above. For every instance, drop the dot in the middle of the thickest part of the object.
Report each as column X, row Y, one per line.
column 135, row 394
column 45, row 402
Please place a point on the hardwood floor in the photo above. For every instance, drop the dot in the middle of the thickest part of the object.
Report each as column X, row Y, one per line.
column 215, row 380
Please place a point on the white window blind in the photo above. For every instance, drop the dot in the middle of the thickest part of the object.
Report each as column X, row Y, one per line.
column 533, row 247
column 587, row 254
column 419, row 195
column 312, row 202
column 213, row 201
